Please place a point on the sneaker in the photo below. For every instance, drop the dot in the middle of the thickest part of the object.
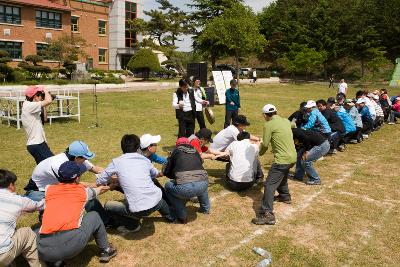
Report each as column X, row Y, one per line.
column 108, row 254
column 321, row 158
column 287, row 200
column 341, row 148
column 266, row 218
column 353, row 141
column 313, row 182
column 391, row 123
column 124, row 230
column 332, row 151
column 365, row 136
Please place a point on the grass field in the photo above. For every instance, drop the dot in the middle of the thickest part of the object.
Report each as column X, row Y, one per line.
column 352, row 219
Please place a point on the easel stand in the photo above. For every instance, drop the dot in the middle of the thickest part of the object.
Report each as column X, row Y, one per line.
column 95, row 107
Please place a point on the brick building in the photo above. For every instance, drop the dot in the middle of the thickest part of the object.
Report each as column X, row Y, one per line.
column 27, row 25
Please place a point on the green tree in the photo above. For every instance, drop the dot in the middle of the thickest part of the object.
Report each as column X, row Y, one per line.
column 35, row 70
column 5, row 69
column 205, row 11
column 144, row 61
column 237, row 29
column 67, row 48
column 302, row 59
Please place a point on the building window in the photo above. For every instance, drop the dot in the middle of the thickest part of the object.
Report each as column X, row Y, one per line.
column 74, row 24
column 102, row 55
column 130, row 14
column 14, row 49
column 48, row 19
column 41, row 50
column 10, row 14
column 102, row 27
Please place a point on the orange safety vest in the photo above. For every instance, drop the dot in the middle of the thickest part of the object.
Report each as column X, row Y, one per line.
column 64, row 207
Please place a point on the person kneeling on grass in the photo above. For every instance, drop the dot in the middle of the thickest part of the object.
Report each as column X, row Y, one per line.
column 135, row 174
column 188, row 179
column 241, row 171
column 16, row 242
column 63, row 235
column 200, row 140
column 313, row 146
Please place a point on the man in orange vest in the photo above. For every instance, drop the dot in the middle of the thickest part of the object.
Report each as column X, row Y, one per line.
column 63, row 235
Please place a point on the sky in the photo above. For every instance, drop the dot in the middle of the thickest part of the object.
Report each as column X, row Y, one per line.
column 185, row 45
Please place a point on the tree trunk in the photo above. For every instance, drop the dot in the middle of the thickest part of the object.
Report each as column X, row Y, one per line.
column 362, row 68
column 237, row 67
column 325, row 72
column 213, row 61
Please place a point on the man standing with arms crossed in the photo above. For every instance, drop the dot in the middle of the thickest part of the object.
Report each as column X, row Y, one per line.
column 278, row 132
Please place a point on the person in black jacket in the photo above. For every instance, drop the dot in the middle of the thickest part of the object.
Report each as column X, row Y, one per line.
column 188, row 179
column 185, row 107
column 335, row 123
column 300, row 116
column 312, row 146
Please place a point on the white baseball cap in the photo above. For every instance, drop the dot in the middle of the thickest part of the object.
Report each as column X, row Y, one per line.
column 360, row 100
column 310, row 104
column 147, row 139
column 269, row 108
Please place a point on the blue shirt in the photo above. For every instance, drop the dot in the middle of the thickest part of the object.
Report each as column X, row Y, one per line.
column 158, row 159
column 349, row 125
column 317, row 122
column 232, row 95
column 135, row 173
column 365, row 114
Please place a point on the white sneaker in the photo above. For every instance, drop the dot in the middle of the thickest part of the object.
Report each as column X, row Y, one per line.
column 123, row 230
column 365, row 136
column 321, row 158
column 391, row 123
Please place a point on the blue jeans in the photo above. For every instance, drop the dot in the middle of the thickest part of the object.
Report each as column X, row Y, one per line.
column 179, row 194
column 121, row 214
column 306, row 166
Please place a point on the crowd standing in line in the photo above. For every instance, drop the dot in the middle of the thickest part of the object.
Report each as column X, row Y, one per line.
column 316, row 129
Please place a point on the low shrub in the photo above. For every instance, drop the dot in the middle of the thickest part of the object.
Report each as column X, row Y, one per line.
column 112, row 79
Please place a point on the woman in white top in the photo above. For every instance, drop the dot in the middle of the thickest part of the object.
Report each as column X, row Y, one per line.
column 200, row 99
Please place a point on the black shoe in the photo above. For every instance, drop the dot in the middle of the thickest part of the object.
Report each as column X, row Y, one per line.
column 286, row 200
column 266, row 218
column 313, row 182
column 56, row 264
column 108, row 254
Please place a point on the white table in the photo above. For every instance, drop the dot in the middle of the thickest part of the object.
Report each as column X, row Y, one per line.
column 66, row 105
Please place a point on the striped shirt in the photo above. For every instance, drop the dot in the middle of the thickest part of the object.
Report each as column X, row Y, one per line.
column 11, row 208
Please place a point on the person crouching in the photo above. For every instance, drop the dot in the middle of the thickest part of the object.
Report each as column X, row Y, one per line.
column 63, row 235
column 188, row 179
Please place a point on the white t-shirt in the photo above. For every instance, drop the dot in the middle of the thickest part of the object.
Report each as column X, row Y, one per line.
column 371, row 106
column 255, row 74
column 43, row 174
column 31, row 122
column 342, row 88
column 243, row 156
column 224, row 138
column 198, row 97
column 187, row 106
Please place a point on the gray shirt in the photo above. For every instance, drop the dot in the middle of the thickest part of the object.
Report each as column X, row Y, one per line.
column 135, row 173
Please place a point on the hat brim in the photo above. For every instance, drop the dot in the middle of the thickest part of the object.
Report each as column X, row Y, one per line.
column 89, row 155
column 306, row 106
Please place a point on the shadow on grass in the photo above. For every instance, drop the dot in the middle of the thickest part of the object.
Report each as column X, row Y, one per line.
column 86, row 255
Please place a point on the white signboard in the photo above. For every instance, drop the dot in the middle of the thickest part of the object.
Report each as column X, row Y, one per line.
column 219, row 86
column 227, row 78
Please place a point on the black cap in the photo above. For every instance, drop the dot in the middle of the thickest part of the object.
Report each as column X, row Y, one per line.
column 205, row 133
column 331, row 100
column 241, row 119
column 69, row 171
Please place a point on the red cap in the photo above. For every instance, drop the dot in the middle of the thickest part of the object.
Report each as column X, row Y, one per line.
column 33, row 89
column 182, row 141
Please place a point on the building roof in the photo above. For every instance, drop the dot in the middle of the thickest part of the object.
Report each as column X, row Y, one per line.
column 42, row 3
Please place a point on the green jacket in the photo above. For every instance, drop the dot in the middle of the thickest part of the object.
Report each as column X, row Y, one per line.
column 278, row 132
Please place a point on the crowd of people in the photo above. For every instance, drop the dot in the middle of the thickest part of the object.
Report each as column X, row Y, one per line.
column 70, row 214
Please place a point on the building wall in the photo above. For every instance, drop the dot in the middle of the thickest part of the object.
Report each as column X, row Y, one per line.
column 89, row 15
column 28, row 33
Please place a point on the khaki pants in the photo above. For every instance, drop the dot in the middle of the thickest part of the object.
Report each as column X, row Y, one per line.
column 24, row 240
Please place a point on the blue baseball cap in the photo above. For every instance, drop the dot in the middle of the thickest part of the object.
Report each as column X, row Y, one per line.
column 69, row 171
column 80, row 149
